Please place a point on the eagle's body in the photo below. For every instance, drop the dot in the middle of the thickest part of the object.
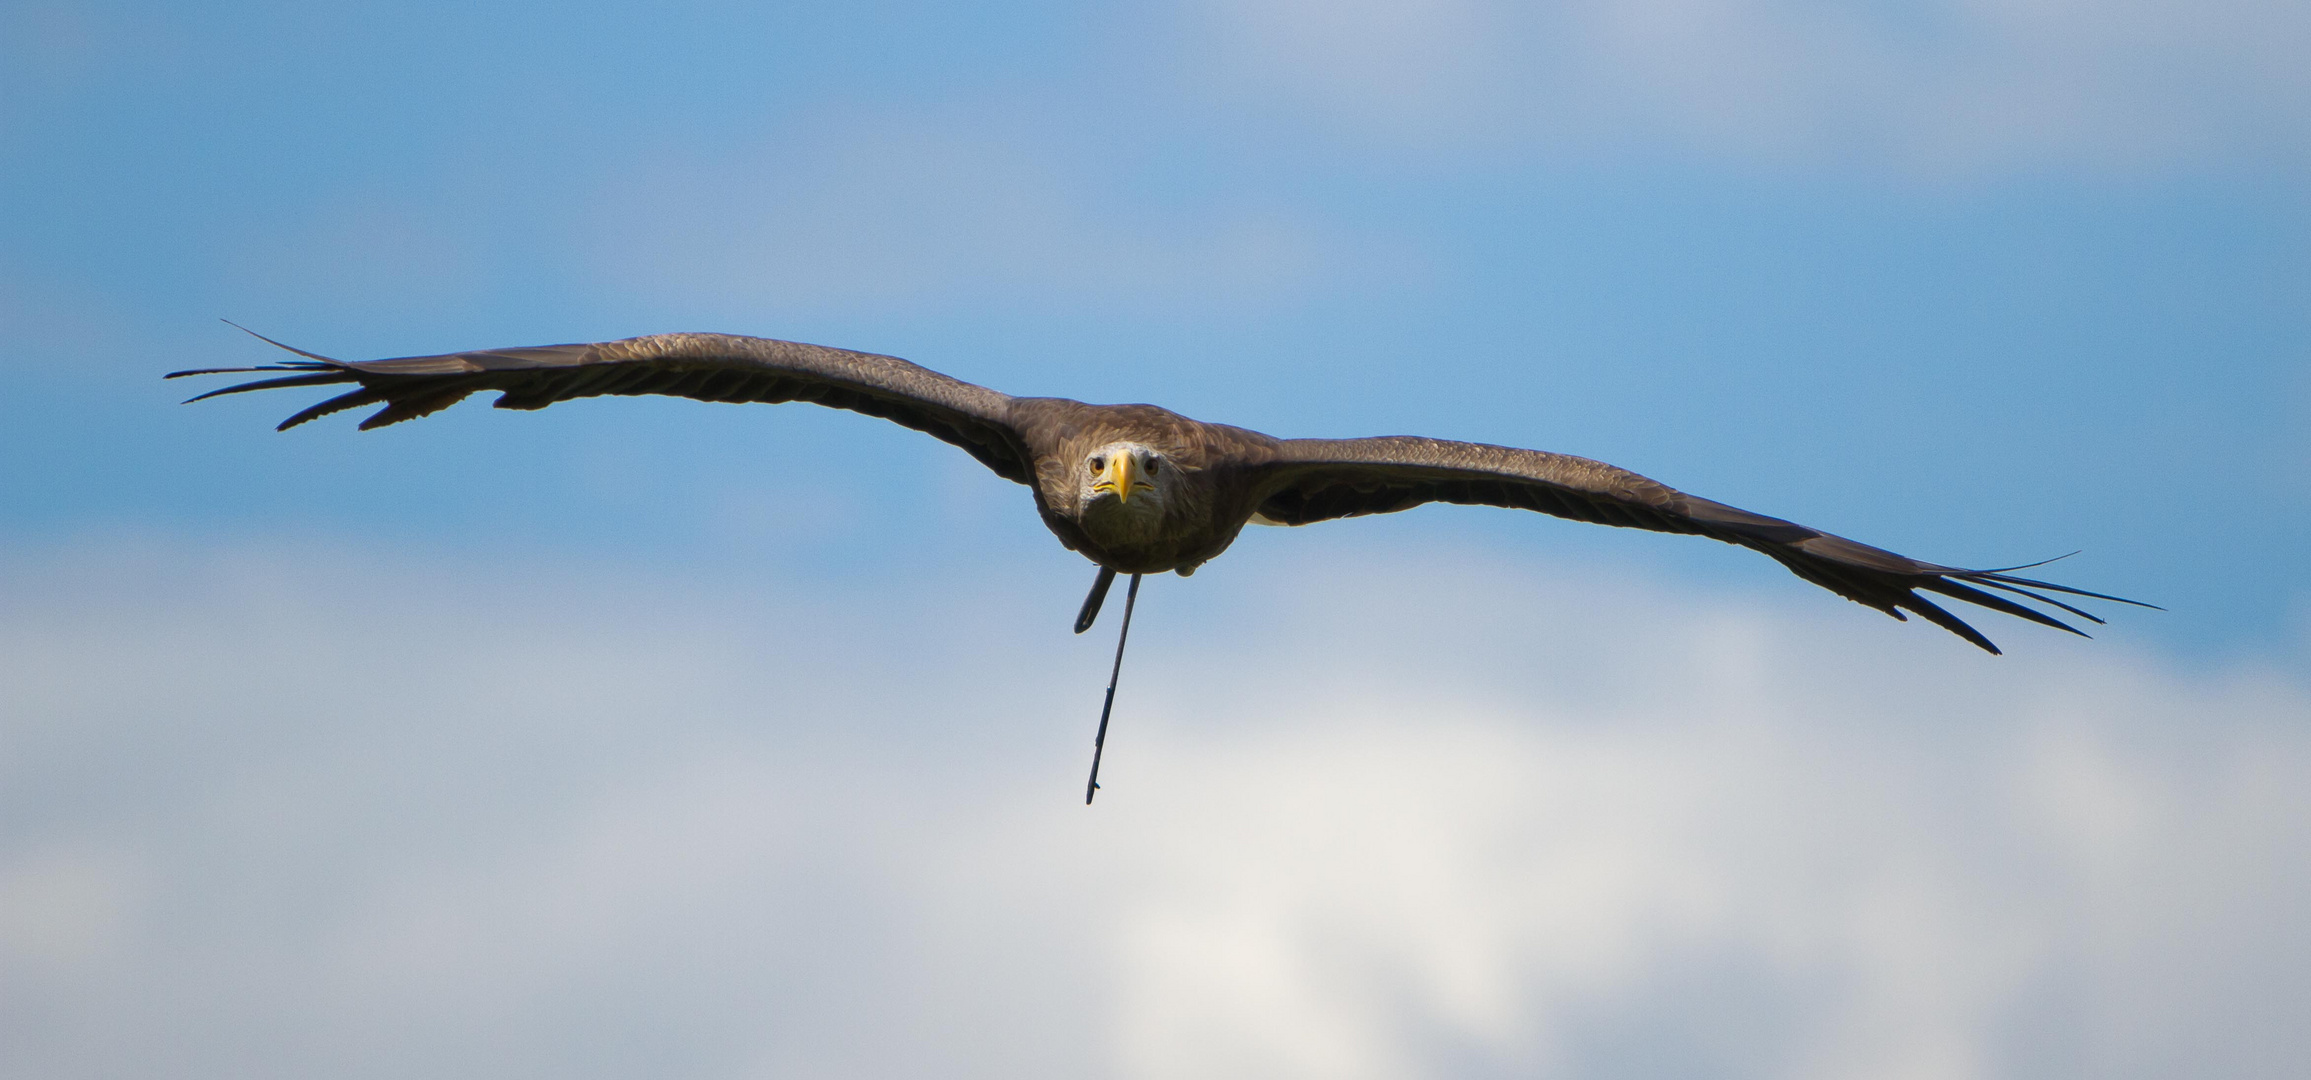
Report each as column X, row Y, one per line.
column 1210, row 480
column 1139, row 489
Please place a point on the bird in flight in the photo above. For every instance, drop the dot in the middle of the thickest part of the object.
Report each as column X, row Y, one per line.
column 1139, row 489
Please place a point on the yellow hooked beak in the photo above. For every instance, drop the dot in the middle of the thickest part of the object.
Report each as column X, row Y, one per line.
column 1122, row 477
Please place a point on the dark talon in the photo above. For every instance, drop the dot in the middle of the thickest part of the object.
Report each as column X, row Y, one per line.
column 1098, row 596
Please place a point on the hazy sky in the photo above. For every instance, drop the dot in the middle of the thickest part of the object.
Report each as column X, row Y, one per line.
column 645, row 737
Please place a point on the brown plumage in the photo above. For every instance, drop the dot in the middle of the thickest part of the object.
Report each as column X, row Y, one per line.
column 1197, row 484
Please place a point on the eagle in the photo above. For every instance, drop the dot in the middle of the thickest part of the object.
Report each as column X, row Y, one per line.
column 1140, row 489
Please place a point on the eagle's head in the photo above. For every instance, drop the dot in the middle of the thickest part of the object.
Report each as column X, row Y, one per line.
column 1125, row 487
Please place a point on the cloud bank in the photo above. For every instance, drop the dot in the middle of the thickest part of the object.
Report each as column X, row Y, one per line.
column 304, row 809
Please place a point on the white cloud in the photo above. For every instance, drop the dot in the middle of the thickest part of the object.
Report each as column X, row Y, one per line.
column 63, row 910
column 300, row 811
column 1952, row 88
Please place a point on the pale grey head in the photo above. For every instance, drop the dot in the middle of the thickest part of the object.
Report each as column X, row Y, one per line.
column 1123, row 489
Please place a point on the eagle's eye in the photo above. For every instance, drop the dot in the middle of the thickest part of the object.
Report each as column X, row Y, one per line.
column 1098, row 464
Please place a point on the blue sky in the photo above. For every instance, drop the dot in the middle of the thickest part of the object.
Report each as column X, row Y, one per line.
column 1979, row 284
column 1894, row 318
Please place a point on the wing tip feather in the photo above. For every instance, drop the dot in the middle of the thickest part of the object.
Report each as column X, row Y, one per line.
column 1936, row 614
column 332, row 361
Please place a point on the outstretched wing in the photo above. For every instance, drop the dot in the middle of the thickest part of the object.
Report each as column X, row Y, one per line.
column 1318, row 479
column 707, row 367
